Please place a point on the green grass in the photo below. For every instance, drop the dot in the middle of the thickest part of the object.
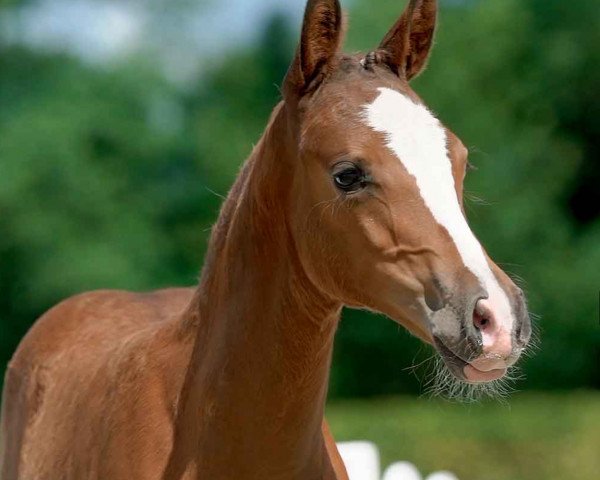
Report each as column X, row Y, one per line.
column 532, row 437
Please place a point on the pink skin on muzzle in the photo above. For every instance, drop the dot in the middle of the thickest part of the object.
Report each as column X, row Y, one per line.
column 497, row 346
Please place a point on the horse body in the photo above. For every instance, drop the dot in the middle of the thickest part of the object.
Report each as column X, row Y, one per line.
column 353, row 196
column 99, row 377
column 193, row 383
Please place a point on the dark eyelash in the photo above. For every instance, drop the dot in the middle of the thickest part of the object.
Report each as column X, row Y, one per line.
column 470, row 166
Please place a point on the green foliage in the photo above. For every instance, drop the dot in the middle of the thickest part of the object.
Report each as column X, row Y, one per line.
column 91, row 191
column 111, row 177
column 481, row 442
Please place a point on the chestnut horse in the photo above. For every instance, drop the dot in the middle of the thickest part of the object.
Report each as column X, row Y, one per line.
column 353, row 196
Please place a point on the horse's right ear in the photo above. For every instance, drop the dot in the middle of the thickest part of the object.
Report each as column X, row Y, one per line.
column 322, row 33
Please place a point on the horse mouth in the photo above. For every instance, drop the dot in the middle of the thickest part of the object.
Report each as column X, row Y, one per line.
column 465, row 371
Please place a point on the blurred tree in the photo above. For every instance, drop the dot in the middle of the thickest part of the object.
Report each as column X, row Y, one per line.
column 11, row 3
column 236, row 98
column 111, row 177
column 87, row 185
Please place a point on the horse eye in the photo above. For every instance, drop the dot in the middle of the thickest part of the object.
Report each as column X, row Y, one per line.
column 349, row 177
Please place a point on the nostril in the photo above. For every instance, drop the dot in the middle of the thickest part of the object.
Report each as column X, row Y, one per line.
column 496, row 339
column 480, row 321
column 482, row 316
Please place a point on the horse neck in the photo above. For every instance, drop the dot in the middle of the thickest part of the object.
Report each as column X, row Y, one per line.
column 259, row 372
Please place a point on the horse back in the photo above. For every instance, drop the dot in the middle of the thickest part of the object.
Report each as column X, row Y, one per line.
column 96, row 376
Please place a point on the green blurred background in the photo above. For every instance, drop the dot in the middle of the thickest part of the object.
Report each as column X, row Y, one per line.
column 122, row 124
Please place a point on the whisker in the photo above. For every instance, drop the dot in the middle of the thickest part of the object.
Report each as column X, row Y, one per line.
column 442, row 383
column 222, row 197
column 473, row 198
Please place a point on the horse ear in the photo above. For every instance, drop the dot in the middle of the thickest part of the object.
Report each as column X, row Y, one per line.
column 320, row 41
column 406, row 46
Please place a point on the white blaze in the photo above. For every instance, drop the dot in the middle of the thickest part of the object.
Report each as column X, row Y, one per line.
column 419, row 141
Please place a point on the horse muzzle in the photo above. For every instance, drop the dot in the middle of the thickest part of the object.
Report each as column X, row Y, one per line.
column 476, row 343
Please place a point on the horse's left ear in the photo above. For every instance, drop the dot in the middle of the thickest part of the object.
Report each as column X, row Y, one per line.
column 406, row 46
column 322, row 33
